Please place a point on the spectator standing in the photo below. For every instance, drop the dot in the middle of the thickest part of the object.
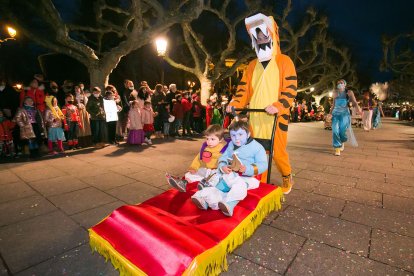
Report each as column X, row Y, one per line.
column 187, row 114
column 157, row 100
column 84, row 133
column 95, row 108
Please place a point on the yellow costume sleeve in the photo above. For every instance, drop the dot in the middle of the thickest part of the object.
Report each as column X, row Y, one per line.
column 196, row 164
column 288, row 87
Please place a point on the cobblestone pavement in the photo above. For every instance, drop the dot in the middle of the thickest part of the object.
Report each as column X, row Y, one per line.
column 347, row 215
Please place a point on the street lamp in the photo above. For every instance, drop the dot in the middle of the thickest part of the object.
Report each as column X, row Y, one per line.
column 161, row 44
column 11, row 32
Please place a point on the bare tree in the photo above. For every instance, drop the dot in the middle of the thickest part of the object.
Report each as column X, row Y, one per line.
column 399, row 59
column 208, row 64
column 318, row 59
column 110, row 32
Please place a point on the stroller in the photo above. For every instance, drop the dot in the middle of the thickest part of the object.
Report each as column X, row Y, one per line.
column 328, row 121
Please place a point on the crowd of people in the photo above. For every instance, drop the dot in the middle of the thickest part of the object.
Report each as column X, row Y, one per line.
column 44, row 115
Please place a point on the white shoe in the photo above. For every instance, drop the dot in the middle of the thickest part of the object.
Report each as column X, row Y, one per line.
column 149, row 142
column 342, row 147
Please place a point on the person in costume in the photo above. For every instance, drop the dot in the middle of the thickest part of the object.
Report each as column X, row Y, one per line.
column 377, row 112
column 269, row 83
column 243, row 159
column 147, row 116
column 341, row 119
column 54, row 120
column 136, row 133
column 205, row 162
column 31, row 124
column 73, row 121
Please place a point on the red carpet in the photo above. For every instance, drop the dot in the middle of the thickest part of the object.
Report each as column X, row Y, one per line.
column 169, row 235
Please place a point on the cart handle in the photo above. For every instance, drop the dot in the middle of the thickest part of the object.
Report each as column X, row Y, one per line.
column 272, row 138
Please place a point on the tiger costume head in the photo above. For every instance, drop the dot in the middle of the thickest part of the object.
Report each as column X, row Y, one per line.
column 264, row 34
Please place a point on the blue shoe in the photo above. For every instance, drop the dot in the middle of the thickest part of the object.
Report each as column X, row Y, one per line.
column 200, row 203
column 227, row 207
column 179, row 184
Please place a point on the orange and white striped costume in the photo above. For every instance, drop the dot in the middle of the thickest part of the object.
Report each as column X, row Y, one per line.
column 273, row 84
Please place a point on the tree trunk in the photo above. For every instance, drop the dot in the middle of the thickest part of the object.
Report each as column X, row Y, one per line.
column 98, row 77
column 206, row 86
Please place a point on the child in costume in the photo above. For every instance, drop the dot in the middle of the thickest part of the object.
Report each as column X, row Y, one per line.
column 136, row 133
column 73, row 121
column 6, row 135
column 204, row 164
column 248, row 159
column 148, row 121
column 54, row 120
column 30, row 121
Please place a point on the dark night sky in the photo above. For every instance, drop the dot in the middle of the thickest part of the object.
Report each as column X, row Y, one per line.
column 359, row 24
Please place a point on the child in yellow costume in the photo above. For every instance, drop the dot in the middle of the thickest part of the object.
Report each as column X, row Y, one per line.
column 269, row 83
column 204, row 166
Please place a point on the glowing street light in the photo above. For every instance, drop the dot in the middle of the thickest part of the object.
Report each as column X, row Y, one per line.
column 161, row 46
column 11, row 32
column 330, row 94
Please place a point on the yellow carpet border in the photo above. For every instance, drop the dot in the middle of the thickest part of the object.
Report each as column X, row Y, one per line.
column 212, row 261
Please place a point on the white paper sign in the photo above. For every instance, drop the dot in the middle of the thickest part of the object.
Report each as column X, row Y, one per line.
column 111, row 110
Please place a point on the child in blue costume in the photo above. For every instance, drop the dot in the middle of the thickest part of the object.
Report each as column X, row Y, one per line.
column 340, row 115
column 233, row 185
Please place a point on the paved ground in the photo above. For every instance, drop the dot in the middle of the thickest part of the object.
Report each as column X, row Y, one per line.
column 347, row 215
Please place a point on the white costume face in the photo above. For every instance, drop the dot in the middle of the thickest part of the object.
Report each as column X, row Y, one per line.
column 260, row 29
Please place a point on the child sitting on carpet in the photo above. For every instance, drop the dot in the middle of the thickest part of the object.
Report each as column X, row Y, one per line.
column 203, row 168
column 243, row 159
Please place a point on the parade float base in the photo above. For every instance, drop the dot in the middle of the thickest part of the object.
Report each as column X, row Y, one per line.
column 169, row 235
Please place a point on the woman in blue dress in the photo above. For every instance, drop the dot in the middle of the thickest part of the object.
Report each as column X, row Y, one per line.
column 341, row 119
column 376, row 114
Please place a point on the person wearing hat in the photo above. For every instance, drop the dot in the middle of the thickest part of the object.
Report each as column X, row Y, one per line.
column 341, row 119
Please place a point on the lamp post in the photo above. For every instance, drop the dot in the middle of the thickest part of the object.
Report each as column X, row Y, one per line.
column 11, row 32
column 190, row 85
column 161, row 44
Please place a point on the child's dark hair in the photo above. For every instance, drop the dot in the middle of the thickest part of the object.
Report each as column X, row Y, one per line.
column 241, row 124
column 215, row 130
column 147, row 103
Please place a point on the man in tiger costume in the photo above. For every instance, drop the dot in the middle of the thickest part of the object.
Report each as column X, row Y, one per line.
column 269, row 83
